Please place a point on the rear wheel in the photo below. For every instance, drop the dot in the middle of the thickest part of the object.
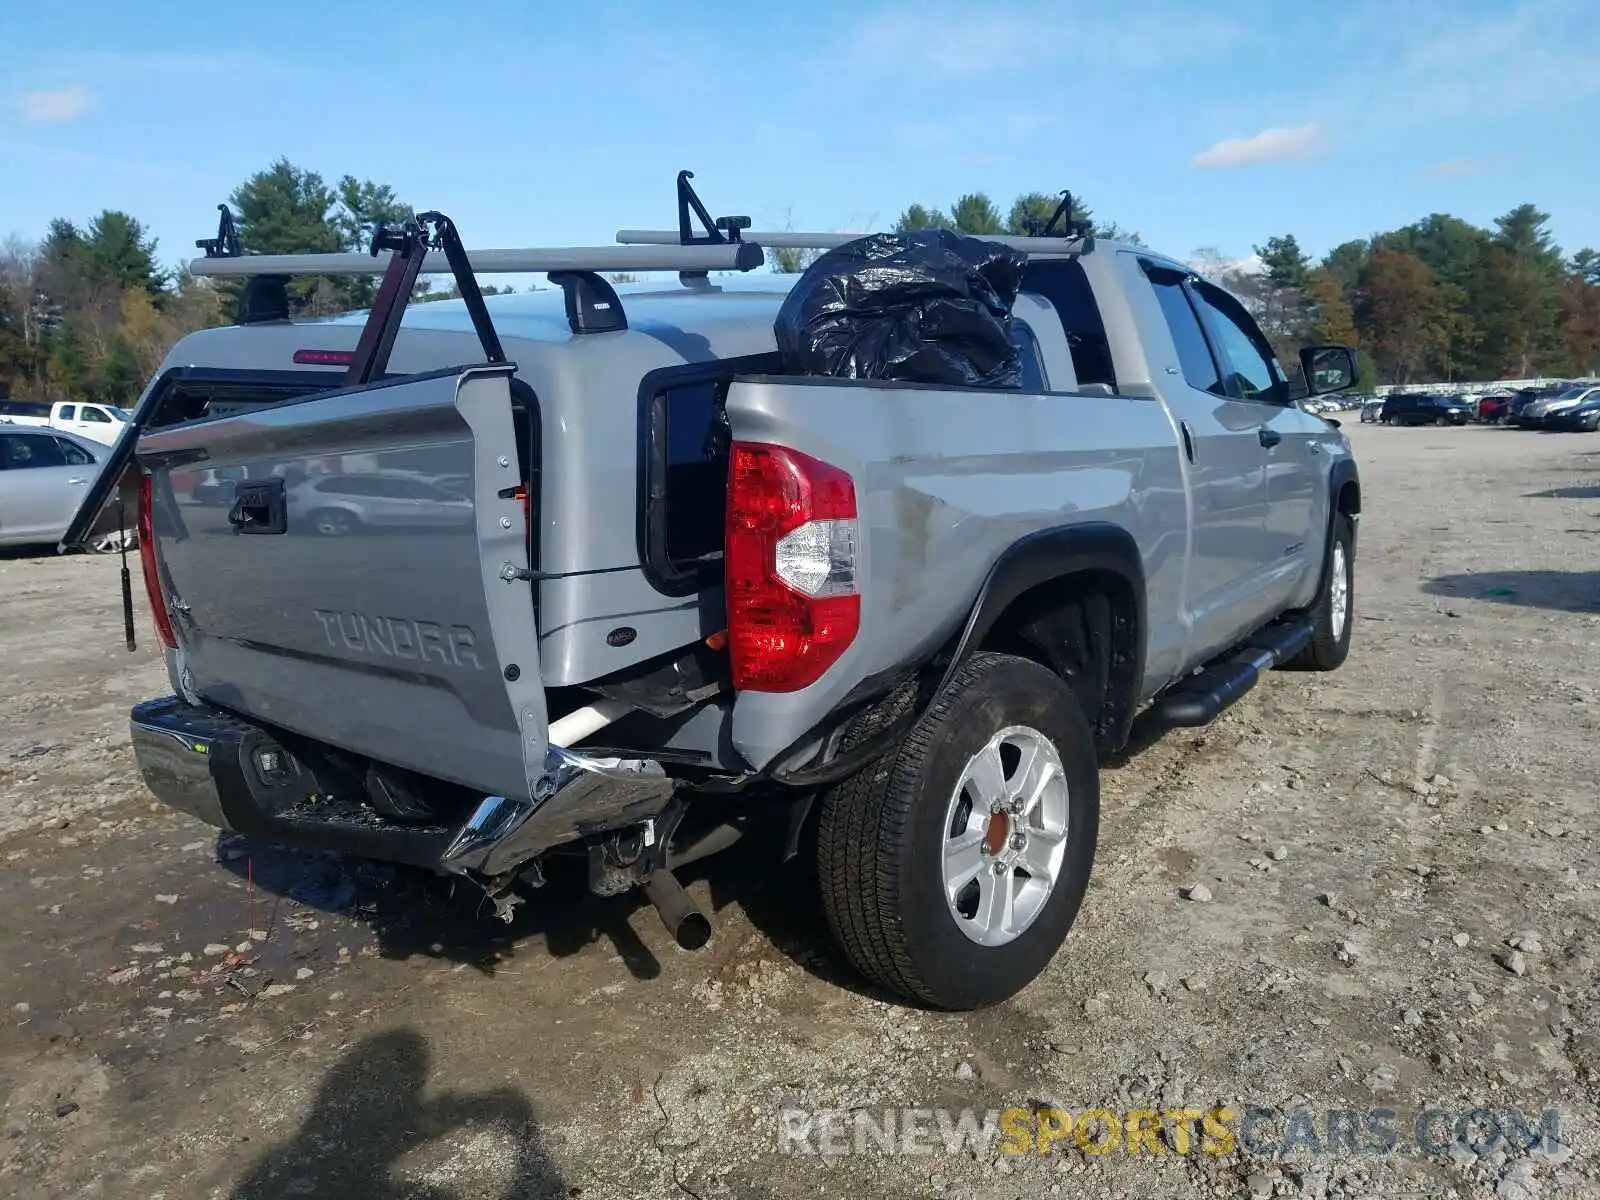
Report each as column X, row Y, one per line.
column 333, row 522
column 1334, row 608
column 951, row 872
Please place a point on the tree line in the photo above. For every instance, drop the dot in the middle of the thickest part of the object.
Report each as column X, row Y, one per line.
column 88, row 312
column 1439, row 299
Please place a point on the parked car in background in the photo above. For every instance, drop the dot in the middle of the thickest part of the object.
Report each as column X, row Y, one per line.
column 1372, row 412
column 44, row 476
column 1582, row 417
column 1493, row 406
column 1518, row 413
column 101, row 423
column 1538, row 414
column 1426, row 409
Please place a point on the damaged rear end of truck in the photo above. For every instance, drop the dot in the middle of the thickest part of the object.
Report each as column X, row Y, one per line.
column 352, row 632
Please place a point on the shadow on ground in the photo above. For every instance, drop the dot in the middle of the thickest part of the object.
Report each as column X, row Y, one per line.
column 1559, row 591
column 370, row 1113
column 1587, row 492
column 412, row 913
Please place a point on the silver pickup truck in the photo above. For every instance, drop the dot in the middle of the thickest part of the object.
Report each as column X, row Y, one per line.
column 585, row 572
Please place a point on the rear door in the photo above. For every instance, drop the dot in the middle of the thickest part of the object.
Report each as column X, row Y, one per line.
column 413, row 646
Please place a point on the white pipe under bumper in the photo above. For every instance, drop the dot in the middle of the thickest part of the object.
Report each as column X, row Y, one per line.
column 590, row 719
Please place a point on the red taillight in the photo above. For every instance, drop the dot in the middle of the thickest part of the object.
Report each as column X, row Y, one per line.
column 147, row 560
column 790, row 557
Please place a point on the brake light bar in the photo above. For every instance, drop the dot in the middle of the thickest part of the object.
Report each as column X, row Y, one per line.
column 324, row 358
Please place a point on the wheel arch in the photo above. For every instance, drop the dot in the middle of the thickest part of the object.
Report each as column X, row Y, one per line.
column 1048, row 573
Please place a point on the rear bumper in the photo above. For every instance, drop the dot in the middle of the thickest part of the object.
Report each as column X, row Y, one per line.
column 236, row 775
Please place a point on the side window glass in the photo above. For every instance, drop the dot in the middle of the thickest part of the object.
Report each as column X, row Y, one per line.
column 26, row 452
column 69, row 412
column 1194, row 354
column 1062, row 282
column 696, row 477
column 95, row 415
column 1249, row 362
column 76, row 456
column 1030, row 360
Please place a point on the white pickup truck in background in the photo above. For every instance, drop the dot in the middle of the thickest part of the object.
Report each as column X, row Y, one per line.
column 101, row 423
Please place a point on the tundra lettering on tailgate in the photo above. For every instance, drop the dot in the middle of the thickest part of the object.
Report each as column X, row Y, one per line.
column 401, row 637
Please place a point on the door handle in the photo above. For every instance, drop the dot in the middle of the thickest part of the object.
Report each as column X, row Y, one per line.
column 75, row 479
column 1269, row 437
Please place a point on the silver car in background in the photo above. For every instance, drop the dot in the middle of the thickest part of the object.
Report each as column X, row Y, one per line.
column 44, row 475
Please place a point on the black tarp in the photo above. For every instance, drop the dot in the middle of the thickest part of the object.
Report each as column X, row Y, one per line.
column 928, row 306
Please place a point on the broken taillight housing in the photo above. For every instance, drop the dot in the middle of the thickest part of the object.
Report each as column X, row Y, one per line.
column 147, row 560
column 790, row 562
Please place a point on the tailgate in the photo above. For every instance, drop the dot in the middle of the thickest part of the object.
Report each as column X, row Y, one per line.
column 366, row 586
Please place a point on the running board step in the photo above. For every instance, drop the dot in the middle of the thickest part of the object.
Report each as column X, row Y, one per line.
column 1201, row 698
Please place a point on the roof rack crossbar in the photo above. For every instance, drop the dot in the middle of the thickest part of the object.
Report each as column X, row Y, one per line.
column 782, row 239
column 533, row 260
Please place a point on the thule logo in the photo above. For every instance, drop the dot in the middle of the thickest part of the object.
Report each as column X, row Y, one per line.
column 401, row 638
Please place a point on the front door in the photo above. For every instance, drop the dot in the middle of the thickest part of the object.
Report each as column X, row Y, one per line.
column 1226, row 466
column 42, row 481
column 1289, row 440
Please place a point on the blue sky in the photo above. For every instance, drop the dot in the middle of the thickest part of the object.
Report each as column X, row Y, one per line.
column 555, row 124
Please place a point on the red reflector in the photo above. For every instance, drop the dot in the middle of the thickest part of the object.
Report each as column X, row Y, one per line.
column 789, row 555
column 324, row 358
column 147, row 560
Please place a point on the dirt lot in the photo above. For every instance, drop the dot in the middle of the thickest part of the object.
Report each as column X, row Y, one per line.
column 186, row 1017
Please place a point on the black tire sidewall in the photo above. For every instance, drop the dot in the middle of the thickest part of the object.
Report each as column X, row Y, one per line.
column 1012, row 692
column 1339, row 644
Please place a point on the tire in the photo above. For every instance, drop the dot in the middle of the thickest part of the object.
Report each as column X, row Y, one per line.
column 883, row 833
column 1391, row 421
column 1330, row 637
column 1441, row 421
column 333, row 522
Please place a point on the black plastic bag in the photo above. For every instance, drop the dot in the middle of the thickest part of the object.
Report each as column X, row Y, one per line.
column 924, row 307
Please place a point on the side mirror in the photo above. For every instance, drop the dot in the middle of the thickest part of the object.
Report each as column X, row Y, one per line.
column 1328, row 368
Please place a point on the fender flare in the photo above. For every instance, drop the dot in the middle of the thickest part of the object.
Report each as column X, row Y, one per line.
column 1056, row 553
column 1342, row 472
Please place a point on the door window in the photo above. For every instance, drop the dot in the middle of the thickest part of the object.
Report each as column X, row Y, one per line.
column 1252, row 373
column 95, row 415
column 1194, row 353
column 69, row 412
column 75, row 455
column 22, row 452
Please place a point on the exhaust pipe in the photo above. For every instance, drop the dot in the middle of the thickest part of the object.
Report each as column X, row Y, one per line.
column 684, row 921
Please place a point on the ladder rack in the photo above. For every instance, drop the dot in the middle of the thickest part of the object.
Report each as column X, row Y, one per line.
column 782, row 239
column 662, row 256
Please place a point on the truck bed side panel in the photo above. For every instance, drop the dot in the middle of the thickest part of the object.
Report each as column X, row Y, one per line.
column 946, row 480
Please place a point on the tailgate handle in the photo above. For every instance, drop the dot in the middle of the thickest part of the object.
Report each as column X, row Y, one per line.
column 259, row 506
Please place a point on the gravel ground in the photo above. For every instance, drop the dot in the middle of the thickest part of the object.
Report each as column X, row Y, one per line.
column 1393, row 881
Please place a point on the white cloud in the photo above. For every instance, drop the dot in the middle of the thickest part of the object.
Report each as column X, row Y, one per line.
column 64, row 104
column 1292, row 143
